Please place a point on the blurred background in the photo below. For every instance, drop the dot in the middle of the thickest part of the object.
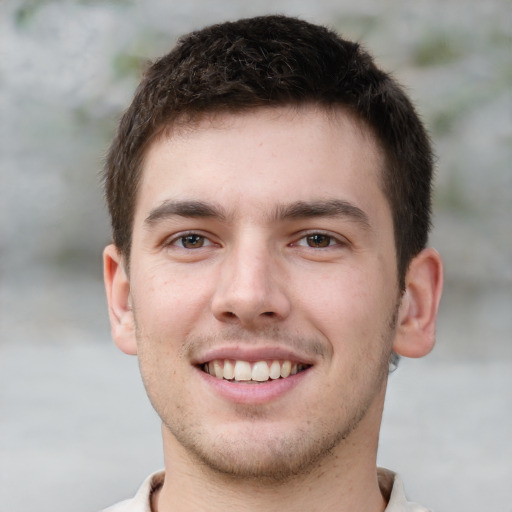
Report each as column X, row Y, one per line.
column 76, row 431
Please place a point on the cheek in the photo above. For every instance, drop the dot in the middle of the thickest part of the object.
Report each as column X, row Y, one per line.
column 168, row 304
column 336, row 297
column 349, row 307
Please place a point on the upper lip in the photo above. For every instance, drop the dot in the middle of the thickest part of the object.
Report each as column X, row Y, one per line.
column 253, row 354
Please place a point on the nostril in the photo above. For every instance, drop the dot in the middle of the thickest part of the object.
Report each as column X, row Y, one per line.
column 269, row 313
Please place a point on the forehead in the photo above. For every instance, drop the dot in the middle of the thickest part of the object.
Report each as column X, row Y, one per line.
column 265, row 156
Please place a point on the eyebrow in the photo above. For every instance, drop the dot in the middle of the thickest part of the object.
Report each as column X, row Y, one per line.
column 192, row 209
column 292, row 211
column 327, row 208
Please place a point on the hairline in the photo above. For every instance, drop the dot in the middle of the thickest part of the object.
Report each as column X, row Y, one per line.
column 189, row 121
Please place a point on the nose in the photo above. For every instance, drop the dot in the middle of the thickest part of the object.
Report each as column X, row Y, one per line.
column 251, row 289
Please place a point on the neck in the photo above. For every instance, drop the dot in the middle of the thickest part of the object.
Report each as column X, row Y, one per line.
column 311, row 493
column 345, row 480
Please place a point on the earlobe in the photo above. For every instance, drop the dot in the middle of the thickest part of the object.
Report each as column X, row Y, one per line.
column 117, row 286
column 416, row 324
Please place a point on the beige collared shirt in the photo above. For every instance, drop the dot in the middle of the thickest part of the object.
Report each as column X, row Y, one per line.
column 389, row 482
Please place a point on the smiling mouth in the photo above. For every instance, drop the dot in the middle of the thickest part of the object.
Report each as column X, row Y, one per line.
column 257, row 372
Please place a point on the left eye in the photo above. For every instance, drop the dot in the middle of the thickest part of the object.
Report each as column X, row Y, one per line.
column 318, row 240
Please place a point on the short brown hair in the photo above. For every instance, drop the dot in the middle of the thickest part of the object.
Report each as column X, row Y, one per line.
column 274, row 61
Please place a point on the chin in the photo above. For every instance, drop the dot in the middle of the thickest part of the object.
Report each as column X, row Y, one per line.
column 260, row 453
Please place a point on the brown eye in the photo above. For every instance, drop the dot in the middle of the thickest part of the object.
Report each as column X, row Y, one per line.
column 192, row 241
column 318, row 240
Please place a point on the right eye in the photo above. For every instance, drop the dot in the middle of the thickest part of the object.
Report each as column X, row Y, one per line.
column 190, row 241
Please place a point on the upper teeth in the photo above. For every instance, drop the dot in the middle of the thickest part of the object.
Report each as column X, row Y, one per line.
column 259, row 371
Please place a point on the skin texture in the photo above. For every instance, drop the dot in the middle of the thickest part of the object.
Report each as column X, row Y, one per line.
column 254, row 235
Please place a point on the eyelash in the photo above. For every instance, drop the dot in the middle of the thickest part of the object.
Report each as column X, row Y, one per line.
column 207, row 242
column 333, row 240
column 175, row 240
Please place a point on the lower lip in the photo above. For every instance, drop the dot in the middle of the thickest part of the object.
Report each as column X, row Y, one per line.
column 244, row 393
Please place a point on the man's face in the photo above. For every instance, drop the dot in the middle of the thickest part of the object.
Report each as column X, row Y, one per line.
column 263, row 246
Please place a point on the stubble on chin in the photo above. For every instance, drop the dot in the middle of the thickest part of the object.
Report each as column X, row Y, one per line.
column 270, row 460
column 261, row 454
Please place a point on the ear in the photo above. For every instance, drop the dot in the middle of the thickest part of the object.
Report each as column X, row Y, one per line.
column 416, row 327
column 117, row 286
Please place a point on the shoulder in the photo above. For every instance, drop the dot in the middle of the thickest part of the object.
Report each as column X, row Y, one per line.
column 393, row 489
column 141, row 502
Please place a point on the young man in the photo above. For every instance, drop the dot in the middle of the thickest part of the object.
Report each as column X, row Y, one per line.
column 269, row 189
